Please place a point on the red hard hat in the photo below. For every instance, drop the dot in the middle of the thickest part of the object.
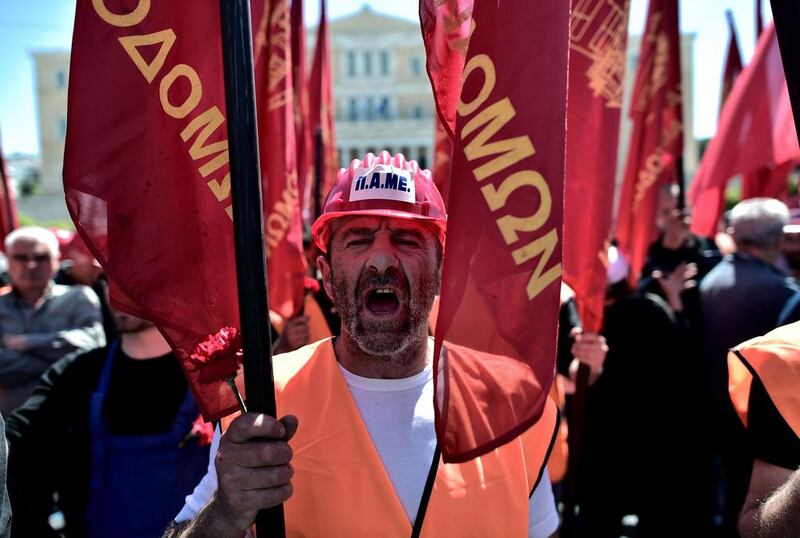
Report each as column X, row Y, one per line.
column 382, row 186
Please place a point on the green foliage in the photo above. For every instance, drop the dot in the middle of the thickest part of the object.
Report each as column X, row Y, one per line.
column 27, row 220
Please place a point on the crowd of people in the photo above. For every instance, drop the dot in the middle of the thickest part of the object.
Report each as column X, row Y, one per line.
column 105, row 438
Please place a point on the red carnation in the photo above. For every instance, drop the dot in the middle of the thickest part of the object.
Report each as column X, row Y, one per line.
column 218, row 357
column 311, row 284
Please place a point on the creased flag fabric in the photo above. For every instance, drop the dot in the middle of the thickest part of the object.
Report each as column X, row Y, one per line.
column 756, row 129
column 283, row 228
column 146, row 173
column 442, row 156
column 305, row 147
column 446, row 29
column 8, row 205
column 320, row 90
column 598, row 38
column 657, row 135
column 501, row 278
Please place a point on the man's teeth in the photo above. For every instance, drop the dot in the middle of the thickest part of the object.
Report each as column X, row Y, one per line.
column 384, row 290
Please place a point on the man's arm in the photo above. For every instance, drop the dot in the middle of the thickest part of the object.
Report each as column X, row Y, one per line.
column 772, row 507
column 85, row 332
column 254, row 472
column 32, row 460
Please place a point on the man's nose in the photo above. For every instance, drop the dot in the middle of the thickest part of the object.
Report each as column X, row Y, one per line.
column 382, row 256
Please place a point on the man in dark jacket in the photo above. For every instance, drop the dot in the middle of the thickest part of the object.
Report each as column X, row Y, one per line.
column 741, row 298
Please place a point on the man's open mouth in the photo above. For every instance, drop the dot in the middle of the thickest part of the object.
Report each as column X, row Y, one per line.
column 382, row 302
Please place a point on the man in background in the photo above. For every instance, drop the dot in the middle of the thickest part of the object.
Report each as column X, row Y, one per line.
column 40, row 321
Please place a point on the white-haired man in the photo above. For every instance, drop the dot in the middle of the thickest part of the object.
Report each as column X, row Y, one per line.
column 40, row 322
column 741, row 298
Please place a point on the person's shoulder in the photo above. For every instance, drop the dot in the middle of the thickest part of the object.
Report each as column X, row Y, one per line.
column 75, row 292
column 286, row 366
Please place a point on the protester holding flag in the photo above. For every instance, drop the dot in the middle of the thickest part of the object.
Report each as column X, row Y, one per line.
column 129, row 443
column 764, row 376
column 365, row 452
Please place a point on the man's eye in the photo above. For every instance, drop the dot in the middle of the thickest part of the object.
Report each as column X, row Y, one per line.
column 357, row 242
column 407, row 242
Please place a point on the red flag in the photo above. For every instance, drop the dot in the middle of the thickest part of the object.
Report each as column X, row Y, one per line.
column 8, row 206
column 442, row 156
column 657, row 137
column 146, row 173
column 446, row 30
column 283, row 228
column 501, row 275
column 598, row 37
column 305, row 144
column 320, row 91
column 756, row 129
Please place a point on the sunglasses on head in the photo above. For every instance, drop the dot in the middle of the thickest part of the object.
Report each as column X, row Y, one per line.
column 26, row 258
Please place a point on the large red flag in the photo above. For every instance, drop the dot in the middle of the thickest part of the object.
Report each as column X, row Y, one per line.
column 756, row 129
column 500, row 284
column 146, row 174
column 8, row 205
column 598, row 37
column 320, row 92
column 657, row 137
column 283, row 228
column 442, row 156
column 305, row 145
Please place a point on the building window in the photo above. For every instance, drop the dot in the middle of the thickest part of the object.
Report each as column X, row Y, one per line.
column 369, row 105
column 354, row 154
column 416, row 66
column 417, row 112
column 61, row 128
column 384, row 62
column 61, row 79
column 406, row 151
column 422, row 157
column 383, row 109
column 351, row 63
column 352, row 109
column 368, row 63
column 372, row 150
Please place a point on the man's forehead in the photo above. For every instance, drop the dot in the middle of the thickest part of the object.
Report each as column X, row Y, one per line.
column 374, row 223
column 28, row 244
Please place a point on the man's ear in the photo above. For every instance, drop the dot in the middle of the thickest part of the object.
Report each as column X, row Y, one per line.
column 325, row 269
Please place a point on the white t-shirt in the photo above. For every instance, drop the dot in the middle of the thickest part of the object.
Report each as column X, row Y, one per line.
column 399, row 417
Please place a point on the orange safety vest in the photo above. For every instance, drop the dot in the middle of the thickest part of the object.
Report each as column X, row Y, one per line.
column 318, row 328
column 775, row 359
column 341, row 488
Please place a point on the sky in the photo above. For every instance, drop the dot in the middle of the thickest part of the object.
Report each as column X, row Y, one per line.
column 47, row 24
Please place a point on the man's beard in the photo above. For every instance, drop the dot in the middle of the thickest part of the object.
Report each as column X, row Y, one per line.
column 389, row 338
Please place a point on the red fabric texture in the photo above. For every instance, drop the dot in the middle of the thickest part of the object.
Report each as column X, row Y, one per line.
column 442, row 156
column 501, row 275
column 657, row 135
column 283, row 228
column 320, row 91
column 8, row 205
column 598, row 38
column 305, row 145
column 146, row 171
column 756, row 129
column 446, row 29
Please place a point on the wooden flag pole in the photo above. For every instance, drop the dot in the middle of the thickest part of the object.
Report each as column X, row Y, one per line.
column 248, row 226
column 787, row 23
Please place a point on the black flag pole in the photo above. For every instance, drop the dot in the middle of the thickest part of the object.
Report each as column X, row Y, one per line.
column 318, row 165
column 787, row 23
column 248, row 226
